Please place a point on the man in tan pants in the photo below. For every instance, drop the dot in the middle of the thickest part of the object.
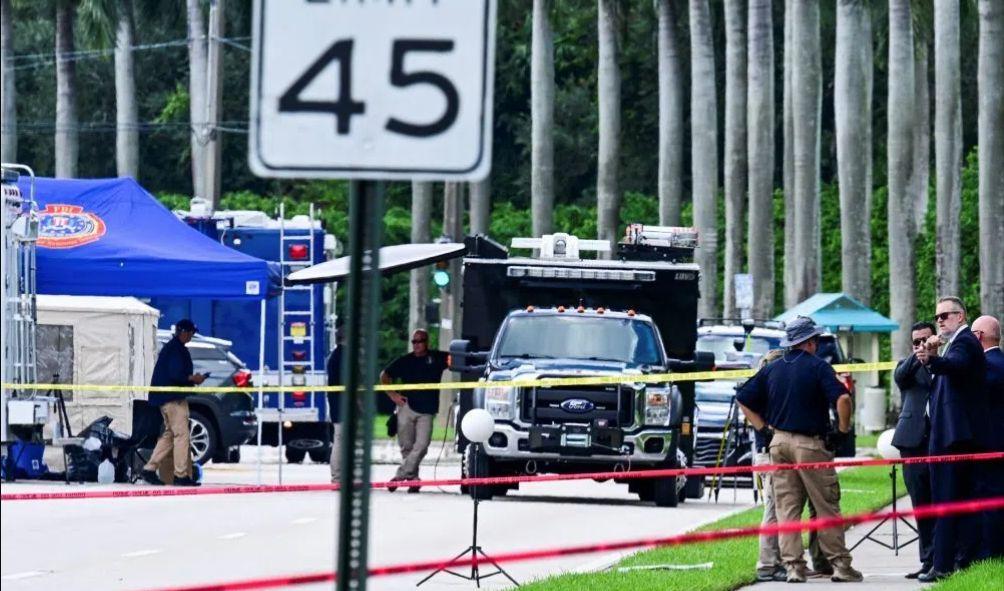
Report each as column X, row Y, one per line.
column 788, row 403
column 172, row 449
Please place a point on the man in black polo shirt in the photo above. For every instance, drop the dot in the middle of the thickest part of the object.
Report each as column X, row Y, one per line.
column 789, row 401
column 416, row 411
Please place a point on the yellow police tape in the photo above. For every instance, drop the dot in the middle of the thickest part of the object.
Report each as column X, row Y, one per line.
column 541, row 383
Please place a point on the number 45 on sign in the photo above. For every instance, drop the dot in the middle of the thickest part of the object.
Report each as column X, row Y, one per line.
column 373, row 89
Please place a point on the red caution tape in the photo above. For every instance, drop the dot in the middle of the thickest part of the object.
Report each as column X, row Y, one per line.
column 926, row 512
column 494, row 481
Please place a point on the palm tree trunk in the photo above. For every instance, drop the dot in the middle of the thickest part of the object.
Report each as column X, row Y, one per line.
column 197, row 91
column 542, row 120
column 671, row 86
column 788, row 162
column 920, row 177
column 704, row 152
column 481, row 202
column 735, row 146
column 760, row 138
column 8, row 89
column 852, row 109
column 806, row 97
column 608, row 194
column 947, row 144
column 67, row 133
column 901, row 97
column 126, row 113
column 418, row 289
column 991, row 138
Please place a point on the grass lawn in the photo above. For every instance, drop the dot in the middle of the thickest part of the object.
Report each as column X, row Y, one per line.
column 984, row 576
column 864, row 489
column 869, row 440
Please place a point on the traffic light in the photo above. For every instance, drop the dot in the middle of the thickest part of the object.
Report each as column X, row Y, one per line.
column 441, row 274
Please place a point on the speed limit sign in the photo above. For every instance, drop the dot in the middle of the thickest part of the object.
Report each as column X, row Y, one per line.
column 372, row 89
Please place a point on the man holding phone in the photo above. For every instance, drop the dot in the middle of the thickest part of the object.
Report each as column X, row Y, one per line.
column 174, row 369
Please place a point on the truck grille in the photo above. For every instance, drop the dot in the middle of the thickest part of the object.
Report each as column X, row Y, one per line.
column 706, row 449
column 579, row 405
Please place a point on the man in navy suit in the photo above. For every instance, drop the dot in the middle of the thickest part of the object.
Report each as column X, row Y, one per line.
column 988, row 330
column 958, row 426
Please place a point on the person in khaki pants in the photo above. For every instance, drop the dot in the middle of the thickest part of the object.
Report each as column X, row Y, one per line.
column 174, row 369
column 788, row 403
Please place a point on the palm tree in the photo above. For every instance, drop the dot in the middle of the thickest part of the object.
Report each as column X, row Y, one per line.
column 788, row 158
column 920, row 176
column 735, row 145
column 481, row 202
column 948, row 144
column 852, row 109
column 197, row 90
column 8, row 89
column 67, row 132
column 670, row 116
column 608, row 196
column 991, row 138
column 704, row 151
column 805, row 105
column 542, row 120
column 900, row 142
column 418, row 289
column 760, row 138
column 126, row 112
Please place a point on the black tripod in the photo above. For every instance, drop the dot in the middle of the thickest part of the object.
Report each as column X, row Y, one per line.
column 474, row 549
column 895, row 546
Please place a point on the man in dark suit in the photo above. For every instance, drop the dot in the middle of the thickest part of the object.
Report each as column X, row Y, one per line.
column 958, row 415
column 912, row 433
column 334, row 369
column 988, row 330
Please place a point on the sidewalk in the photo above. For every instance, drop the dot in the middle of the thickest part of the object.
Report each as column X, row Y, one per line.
column 881, row 567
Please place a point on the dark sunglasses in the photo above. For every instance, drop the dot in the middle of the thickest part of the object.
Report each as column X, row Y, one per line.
column 944, row 315
column 919, row 342
column 416, row 341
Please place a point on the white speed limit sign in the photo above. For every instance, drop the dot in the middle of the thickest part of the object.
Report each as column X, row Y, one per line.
column 372, row 89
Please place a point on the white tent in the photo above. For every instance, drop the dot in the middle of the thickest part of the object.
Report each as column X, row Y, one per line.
column 97, row 340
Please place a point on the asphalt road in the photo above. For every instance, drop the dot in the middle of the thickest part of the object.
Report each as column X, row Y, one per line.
column 150, row 543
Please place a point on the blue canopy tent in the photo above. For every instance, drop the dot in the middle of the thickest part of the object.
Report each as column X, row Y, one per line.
column 110, row 237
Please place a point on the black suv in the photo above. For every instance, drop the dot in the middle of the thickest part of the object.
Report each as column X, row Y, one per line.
column 220, row 423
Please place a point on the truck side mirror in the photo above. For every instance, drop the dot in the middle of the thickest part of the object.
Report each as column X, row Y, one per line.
column 464, row 360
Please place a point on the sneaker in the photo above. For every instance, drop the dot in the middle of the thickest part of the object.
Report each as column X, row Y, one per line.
column 186, row 481
column 795, row 574
column 846, row 574
column 776, row 574
column 150, row 477
column 818, row 573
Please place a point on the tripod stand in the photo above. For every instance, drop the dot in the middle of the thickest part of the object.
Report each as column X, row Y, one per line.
column 474, row 549
column 733, row 434
column 895, row 546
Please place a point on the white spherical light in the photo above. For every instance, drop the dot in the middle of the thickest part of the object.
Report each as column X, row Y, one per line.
column 477, row 425
column 885, row 447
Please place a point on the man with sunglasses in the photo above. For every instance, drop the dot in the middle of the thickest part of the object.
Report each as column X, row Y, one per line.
column 958, row 412
column 912, row 433
column 988, row 330
column 417, row 410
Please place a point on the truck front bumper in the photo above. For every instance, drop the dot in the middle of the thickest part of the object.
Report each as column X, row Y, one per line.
column 581, row 444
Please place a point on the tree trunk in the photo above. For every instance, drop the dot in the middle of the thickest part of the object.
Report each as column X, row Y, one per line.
column 806, row 97
column 788, row 163
column 418, row 291
column 197, row 91
column 902, row 294
column 608, row 195
column 852, row 109
column 481, row 206
column 542, row 120
column 947, row 145
column 735, row 147
column 67, row 132
column 671, row 86
column 920, row 177
column 126, row 113
column 8, row 90
column 704, row 152
column 991, row 138
column 760, row 138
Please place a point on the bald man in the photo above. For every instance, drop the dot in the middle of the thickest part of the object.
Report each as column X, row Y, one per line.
column 988, row 330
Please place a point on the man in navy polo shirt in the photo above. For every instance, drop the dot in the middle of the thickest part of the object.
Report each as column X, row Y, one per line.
column 788, row 401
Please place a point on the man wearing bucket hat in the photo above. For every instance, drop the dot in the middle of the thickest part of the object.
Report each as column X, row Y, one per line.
column 789, row 403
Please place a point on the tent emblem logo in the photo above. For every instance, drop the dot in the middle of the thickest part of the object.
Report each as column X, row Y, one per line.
column 68, row 226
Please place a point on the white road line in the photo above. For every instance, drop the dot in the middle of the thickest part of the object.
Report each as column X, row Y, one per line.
column 303, row 520
column 139, row 553
column 233, row 536
column 25, row 575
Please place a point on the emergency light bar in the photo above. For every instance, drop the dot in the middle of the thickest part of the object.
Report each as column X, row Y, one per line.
column 560, row 245
column 570, row 273
column 671, row 236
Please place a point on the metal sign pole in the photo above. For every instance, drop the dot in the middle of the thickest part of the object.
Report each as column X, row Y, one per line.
column 359, row 372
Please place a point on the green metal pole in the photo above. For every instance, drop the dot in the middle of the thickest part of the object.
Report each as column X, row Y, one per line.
column 359, row 372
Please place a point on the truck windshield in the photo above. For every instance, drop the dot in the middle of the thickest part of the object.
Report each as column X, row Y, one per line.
column 576, row 337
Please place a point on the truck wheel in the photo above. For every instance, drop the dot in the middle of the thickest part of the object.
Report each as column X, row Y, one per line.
column 321, row 455
column 479, row 467
column 664, row 492
column 202, row 437
column 295, row 455
column 694, row 487
column 644, row 491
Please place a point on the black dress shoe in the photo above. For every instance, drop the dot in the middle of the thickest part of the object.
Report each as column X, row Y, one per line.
column 186, row 481
column 923, row 569
column 392, row 488
column 932, row 576
column 150, row 477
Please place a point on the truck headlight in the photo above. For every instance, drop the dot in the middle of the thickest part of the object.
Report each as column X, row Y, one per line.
column 658, row 407
column 500, row 401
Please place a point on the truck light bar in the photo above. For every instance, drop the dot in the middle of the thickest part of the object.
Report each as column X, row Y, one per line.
column 672, row 236
column 587, row 274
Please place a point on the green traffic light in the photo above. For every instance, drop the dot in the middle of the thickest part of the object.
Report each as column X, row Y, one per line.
column 441, row 278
